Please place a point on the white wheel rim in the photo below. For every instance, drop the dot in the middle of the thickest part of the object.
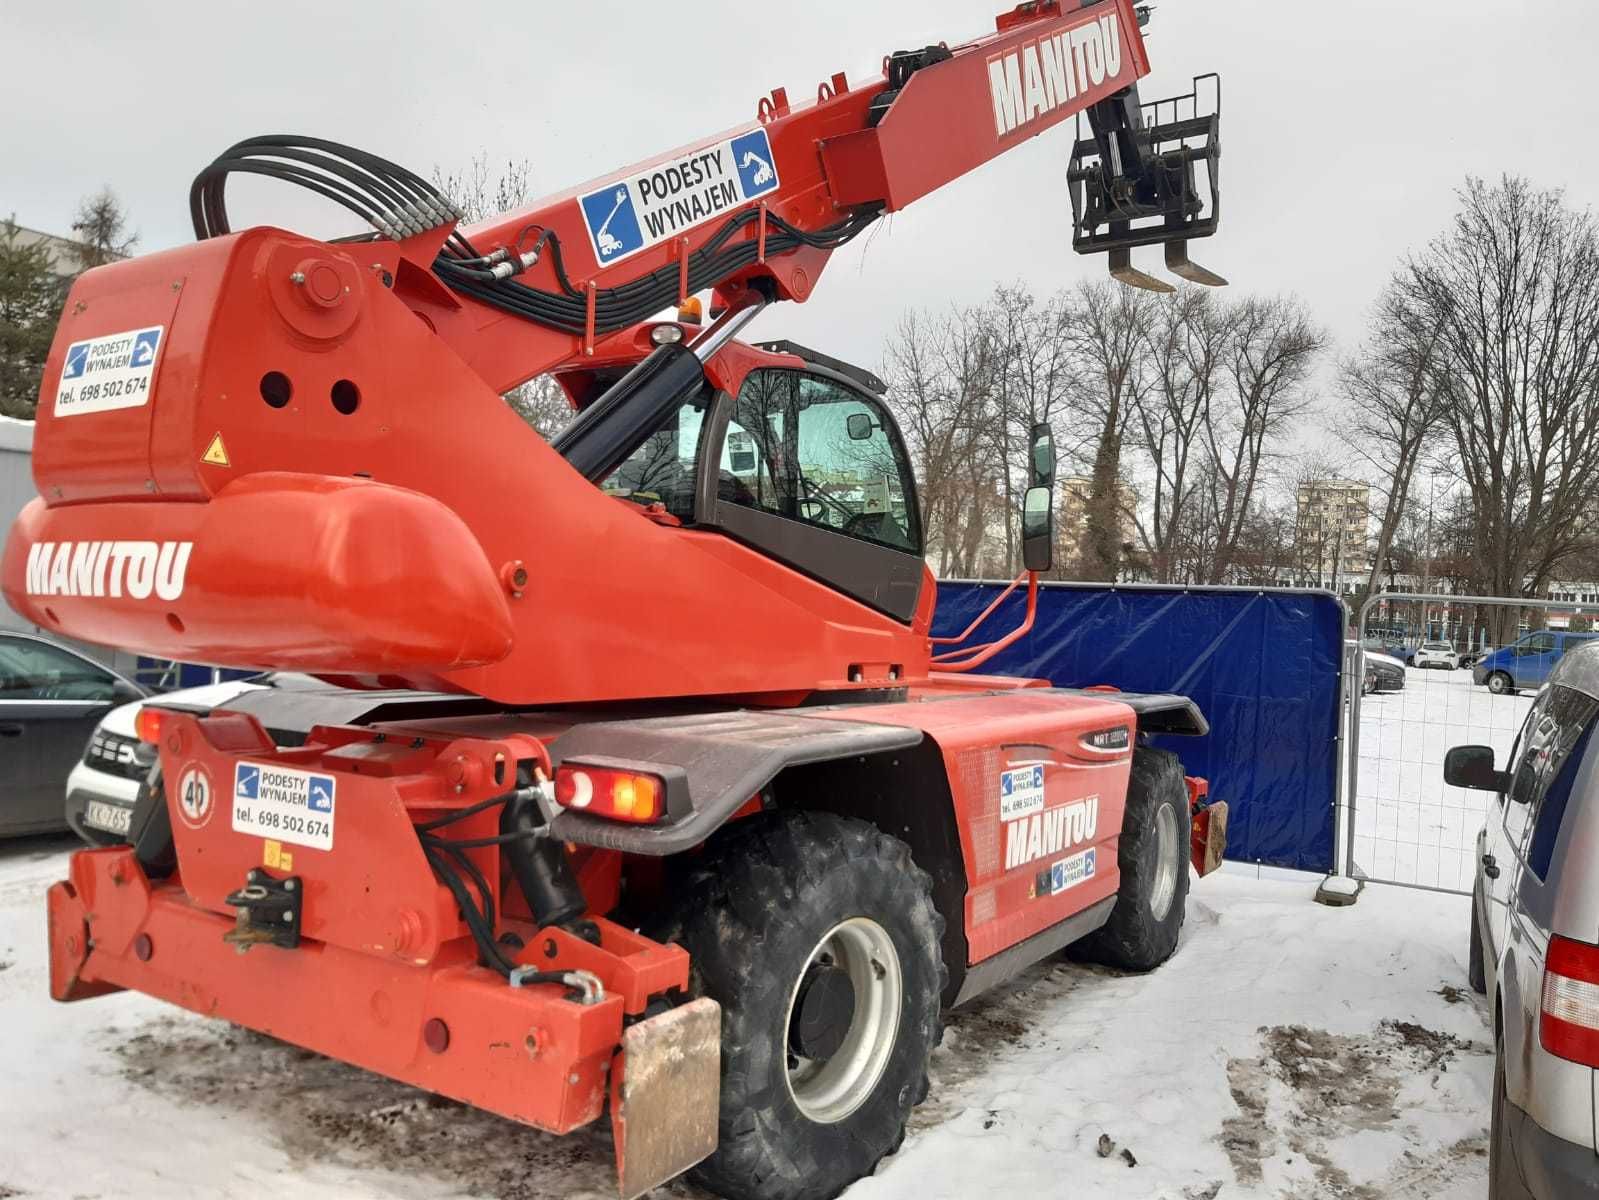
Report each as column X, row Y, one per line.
column 1160, row 896
column 829, row 1090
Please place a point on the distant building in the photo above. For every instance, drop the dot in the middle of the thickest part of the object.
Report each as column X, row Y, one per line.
column 66, row 255
column 1075, row 493
column 1332, row 531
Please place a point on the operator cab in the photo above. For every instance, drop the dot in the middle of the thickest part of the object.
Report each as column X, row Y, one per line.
column 804, row 464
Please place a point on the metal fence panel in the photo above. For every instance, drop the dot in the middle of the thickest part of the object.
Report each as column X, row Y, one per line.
column 1264, row 665
column 1407, row 825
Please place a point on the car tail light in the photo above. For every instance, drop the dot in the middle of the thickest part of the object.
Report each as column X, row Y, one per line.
column 147, row 724
column 606, row 792
column 1569, row 1027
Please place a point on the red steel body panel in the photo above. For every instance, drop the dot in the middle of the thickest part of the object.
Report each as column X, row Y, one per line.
column 325, row 575
column 985, row 734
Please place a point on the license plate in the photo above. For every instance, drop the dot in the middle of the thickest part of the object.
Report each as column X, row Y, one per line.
column 111, row 818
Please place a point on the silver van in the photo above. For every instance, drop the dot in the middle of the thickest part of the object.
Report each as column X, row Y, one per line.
column 1535, row 937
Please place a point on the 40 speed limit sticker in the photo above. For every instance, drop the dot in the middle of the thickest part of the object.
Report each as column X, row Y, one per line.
column 195, row 795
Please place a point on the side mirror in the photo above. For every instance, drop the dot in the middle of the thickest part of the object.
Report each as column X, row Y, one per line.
column 859, row 426
column 1473, row 767
column 1038, row 529
column 125, row 692
column 1041, row 459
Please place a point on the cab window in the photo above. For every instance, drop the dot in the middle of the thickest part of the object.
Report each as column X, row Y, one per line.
column 810, row 449
column 661, row 469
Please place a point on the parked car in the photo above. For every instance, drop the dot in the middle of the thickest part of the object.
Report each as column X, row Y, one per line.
column 104, row 788
column 1436, row 654
column 1383, row 673
column 1526, row 663
column 51, row 698
column 1469, row 658
column 1534, row 925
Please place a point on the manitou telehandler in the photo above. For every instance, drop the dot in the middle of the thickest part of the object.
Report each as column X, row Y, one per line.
column 713, row 828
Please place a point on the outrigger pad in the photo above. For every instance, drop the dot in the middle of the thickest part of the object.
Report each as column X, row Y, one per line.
column 1123, row 271
column 666, row 1094
column 1178, row 263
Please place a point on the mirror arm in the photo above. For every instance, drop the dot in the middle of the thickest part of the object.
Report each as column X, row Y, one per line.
column 976, row 656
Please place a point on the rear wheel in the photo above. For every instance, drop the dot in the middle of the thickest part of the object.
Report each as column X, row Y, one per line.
column 1500, row 684
column 818, row 936
column 1153, row 859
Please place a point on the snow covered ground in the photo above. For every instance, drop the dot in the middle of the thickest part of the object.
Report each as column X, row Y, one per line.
column 1409, row 826
column 1288, row 1050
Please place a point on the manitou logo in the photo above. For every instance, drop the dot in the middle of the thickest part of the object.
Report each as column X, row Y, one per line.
column 133, row 569
column 1049, row 71
column 1051, row 831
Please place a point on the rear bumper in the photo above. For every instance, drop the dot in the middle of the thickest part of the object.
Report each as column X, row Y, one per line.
column 449, row 1026
column 1550, row 1168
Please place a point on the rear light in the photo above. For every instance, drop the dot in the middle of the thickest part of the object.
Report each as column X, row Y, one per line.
column 606, row 792
column 147, row 724
column 1569, row 1027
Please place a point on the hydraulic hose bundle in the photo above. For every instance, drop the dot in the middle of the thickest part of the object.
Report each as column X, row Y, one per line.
column 398, row 204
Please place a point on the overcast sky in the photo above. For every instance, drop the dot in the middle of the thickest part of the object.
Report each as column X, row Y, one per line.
column 1346, row 125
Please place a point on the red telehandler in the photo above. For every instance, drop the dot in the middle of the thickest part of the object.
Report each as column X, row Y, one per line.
column 695, row 821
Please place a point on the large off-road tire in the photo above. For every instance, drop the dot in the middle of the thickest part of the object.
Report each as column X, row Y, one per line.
column 1500, row 684
column 818, row 936
column 1153, row 859
column 1476, row 970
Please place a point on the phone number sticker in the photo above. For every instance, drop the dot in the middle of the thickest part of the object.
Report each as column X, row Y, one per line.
column 109, row 372
column 285, row 804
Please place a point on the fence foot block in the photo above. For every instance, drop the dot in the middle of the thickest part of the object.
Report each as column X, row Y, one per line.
column 1339, row 891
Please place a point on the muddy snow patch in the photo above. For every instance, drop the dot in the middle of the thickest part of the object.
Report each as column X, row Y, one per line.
column 329, row 1113
column 1314, row 1106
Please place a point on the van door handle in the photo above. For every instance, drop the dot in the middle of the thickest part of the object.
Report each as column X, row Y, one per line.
column 1490, row 867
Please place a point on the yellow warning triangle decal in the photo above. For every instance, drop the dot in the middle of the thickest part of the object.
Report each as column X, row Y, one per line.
column 216, row 453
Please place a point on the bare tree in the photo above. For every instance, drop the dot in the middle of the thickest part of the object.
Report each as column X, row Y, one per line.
column 482, row 193
column 1107, row 329
column 1512, row 288
column 1392, row 408
column 941, row 376
column 101, row 226
column 1271, row 346
column 1182, row 350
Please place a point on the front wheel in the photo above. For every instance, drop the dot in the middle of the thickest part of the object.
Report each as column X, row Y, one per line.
column 818, row 936
column 1476, row 965
column 1153, row 860
column 1500, row 684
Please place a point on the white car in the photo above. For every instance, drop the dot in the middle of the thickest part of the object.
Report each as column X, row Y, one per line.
column 1436, row 654
column 103, row 787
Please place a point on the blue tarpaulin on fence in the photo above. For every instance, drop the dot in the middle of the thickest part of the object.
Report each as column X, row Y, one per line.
column 1262, row 665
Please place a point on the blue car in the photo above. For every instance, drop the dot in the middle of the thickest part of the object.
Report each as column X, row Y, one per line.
column 1526, row 663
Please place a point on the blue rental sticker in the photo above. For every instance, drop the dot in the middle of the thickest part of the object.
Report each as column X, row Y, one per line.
column 145, row 344
column 320, row 793
column 613, row 223
column 77, row 360
column 752, row 158
column 246, row 781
